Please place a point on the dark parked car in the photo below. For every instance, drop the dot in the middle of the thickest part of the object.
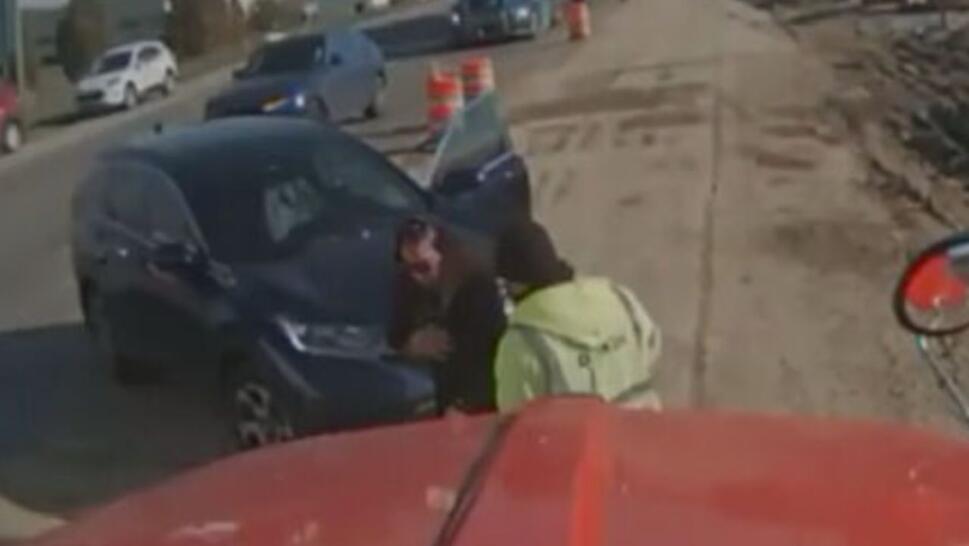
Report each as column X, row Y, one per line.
column 482, row 20
column 330, row 76
column 11, row 126
column 262, row 247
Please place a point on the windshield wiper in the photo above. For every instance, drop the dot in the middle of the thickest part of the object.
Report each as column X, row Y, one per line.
column 473, row 482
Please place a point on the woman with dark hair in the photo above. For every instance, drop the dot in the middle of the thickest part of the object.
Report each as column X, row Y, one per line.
column 569, row 334
column 448, row 311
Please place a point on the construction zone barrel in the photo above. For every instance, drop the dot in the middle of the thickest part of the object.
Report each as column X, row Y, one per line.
column 445, row 97
column 478, row 77
column 578, row 19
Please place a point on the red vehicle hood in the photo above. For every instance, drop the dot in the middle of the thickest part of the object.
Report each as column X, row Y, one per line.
column 567, row 471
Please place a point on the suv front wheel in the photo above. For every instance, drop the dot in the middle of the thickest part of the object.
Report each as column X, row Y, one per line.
column 13, row 136
column 125, row 370
column 168, row 85
column 259, row 416
column 131, row 97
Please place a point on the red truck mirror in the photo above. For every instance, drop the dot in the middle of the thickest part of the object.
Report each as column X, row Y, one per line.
column 932, row 295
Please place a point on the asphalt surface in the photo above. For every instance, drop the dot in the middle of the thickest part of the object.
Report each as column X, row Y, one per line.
column 69, row 437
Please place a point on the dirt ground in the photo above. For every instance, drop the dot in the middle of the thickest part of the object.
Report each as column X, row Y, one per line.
column 723, row 179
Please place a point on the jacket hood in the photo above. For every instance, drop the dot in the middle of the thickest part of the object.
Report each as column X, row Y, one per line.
column 582, row 311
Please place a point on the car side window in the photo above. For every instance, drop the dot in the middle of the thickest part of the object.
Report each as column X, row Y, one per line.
column 320, row 54
column 125, row 200
column 166, row 216
column 146, row 203
column 337, row 53
column 169, row 219
column 148, row 54
column 357, row 172
column 362, row 45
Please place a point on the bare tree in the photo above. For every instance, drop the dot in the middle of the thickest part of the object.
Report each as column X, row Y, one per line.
column 81, row 36
column 199, row 26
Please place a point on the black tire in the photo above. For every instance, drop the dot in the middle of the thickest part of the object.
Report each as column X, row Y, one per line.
column 131, row 98
column 13, row 136
column 376, row 106
column 318, row 110
column 125, row 370
column 168, row 86
column 258, row 415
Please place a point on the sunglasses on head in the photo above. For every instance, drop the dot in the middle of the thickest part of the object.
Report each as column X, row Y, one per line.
column 411, row 232
column 415, row 229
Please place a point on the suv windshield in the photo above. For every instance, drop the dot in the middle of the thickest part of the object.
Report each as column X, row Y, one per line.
column 480, row 5
column 289, row 56
column 262, row 207
column 113, row 62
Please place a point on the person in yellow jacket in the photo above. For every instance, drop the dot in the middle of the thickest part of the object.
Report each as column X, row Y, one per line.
column 568, row 334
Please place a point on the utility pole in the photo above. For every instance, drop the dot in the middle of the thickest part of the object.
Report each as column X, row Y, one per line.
column 943, row 7
column 18, row 46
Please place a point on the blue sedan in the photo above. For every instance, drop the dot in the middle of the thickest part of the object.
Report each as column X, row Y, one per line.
column 482, row 20
column 326, row 76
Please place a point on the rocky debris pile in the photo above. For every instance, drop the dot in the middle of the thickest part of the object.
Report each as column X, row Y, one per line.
column 931, row 100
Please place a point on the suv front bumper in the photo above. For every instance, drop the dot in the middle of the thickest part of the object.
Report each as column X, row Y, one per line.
column 325, row 393
column 100, row 99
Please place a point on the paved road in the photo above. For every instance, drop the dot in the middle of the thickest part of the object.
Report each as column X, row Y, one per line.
column 68, row 436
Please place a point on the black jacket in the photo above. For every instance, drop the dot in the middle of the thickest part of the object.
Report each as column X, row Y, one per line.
column 475, row 320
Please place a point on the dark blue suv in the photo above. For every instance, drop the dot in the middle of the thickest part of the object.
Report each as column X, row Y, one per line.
column 262, row 248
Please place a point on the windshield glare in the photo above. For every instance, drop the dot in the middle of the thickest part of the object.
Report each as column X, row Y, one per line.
column 292, row 56
column 113, row 62
column 266, row 208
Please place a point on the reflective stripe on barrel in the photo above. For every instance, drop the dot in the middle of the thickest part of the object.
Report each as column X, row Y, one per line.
column 579, row 20
column 445, row 96
column 478, row 76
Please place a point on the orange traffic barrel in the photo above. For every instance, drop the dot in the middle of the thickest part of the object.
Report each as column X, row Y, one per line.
column 478, row 76
column 445, row 97
column 579, row 20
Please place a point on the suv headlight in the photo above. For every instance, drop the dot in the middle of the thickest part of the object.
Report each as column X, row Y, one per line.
column 338, row 340
column 522, row 12
column 296, row 101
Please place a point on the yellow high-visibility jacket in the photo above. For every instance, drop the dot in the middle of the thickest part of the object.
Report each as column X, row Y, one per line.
column 588, row 336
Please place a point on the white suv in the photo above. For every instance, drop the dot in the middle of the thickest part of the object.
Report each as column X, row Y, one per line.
column 122, row 76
